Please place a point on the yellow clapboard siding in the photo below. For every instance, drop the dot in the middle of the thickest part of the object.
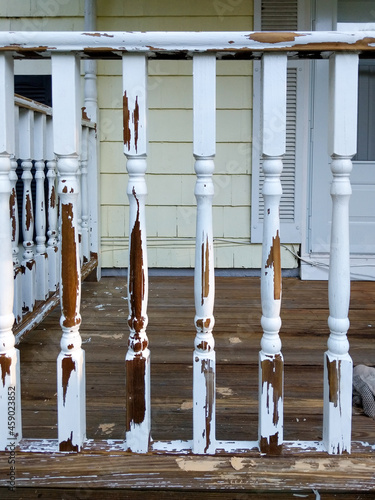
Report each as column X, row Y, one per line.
column 178, row 68
column 113, row 189
column 55, row 8
column 176, row 92
column 167, row 8
column 175, row 23
column 46, row 24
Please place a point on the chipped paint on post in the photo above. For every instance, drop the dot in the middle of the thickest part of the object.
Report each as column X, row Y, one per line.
column 270, row 430
column 204, row 357
column 71, row 377
column 338, row 366
column 52, row 208
column 137, row 359
column 333, row 373
column 274, row 262
column 28, row 281
column 337, row 403
column 271, row 377
column 68, row 445
column 67, row 365
column 138, row 401
column 70, row 275
column 71, row 360
column 5, row 364
column 209, row 375
column 10, row 379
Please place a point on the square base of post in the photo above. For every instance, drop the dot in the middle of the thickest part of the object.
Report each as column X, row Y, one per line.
column 337, row 413
column 71, row 396
column 204, row 402
column 271, row 388
column 10, row 400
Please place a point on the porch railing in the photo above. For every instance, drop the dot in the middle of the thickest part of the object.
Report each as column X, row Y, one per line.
column 133, row 50
column 34, row 207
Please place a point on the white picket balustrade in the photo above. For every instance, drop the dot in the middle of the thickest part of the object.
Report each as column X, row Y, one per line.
column 77, row 149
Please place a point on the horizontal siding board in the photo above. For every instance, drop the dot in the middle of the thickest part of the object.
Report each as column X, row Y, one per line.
column 160, row 23
column 170, row 8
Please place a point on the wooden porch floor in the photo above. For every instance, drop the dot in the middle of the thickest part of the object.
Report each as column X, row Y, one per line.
column 171, row 333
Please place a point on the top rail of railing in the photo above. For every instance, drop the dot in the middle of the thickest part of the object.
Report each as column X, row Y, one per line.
column 247, row 45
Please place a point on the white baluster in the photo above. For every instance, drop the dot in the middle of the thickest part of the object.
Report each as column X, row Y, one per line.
column 84, row 197
column 94, row 199
column 338, row 369
column 10, row 380
column 138, row 405
column 41, row 256
column 79, row 213
column 71, row 391
column 204, row 360
column 52, row 207
column 91, row 110
column 270, row 357
column 26, row 147
column 17, row 269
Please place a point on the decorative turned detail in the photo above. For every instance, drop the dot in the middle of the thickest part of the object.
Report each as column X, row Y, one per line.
column 271, row 373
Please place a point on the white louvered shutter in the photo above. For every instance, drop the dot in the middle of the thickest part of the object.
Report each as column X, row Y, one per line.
column 281, row 15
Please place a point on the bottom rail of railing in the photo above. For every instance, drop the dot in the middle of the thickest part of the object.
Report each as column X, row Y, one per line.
column 248, row 448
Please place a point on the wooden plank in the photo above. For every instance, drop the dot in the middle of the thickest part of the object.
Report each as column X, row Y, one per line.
column 98, row 467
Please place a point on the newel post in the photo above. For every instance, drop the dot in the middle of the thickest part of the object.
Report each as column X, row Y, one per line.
column 338, row 367
column 138, row 405
column 271, row 364
column 10, row 380
column 71, row 360
column 204, row 361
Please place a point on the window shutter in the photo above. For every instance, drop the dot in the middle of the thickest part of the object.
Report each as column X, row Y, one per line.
column 279, row 15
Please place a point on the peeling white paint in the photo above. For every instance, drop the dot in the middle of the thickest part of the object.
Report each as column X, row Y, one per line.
column 237, row 463
column 224, row 391
column 199, row 464
column 187, row 405
column 235, row 340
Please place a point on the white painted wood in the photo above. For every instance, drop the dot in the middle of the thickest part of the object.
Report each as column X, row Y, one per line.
column 84, row 196
column 53, row 250
column 53, row 42
column 26, row 153
column 337, row 414
column 79, row 206
column 10, row 380
column 204, row 358
column 41, row 256
column 94, row 202
column 17, row 302
column 71, row 360
column 293, row 178
column 270, row 357
column 137, row 361
column 91, row 110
